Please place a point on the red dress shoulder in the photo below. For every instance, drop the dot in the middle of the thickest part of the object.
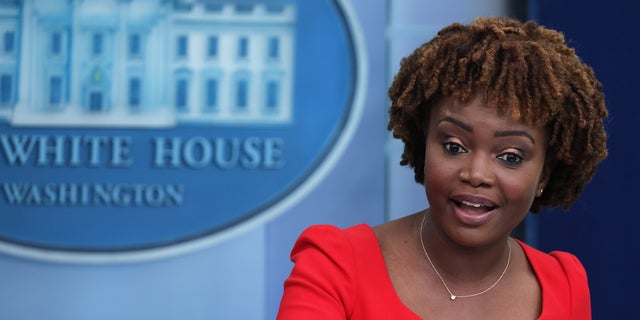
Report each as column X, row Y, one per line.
column 339, row 274
column 563, row 279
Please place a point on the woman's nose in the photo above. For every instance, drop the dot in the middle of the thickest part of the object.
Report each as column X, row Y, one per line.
column 477, row 170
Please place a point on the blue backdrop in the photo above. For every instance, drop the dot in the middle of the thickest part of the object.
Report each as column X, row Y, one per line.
column 601, row 227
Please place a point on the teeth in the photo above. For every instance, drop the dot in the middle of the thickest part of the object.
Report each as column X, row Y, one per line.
column 475, row 205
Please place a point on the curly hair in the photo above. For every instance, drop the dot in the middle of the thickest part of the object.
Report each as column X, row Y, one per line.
column 527, row 72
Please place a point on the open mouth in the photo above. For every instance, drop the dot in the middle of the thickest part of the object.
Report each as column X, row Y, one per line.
column 472, row 212
column 473, row 206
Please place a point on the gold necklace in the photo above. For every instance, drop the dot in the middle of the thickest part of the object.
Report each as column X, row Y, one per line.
column 453, row 296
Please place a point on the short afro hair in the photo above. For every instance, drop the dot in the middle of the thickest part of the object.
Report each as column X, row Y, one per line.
column 527, row 72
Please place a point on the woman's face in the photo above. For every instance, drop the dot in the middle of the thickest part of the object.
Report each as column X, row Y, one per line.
column 482, row 171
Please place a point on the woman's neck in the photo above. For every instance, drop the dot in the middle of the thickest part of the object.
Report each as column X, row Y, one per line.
column 460, row 266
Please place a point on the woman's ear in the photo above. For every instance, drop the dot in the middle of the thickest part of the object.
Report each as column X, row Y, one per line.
column 544, row 178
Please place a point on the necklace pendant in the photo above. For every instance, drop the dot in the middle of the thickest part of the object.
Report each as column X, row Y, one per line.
column 453, row 297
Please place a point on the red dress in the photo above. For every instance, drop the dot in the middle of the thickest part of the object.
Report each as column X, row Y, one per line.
column 341, row 274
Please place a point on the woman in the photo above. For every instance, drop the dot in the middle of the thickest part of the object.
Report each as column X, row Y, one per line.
column 498, row 118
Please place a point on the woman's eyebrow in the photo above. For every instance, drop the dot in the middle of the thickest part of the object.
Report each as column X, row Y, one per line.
column 457, row 122
column 504, row 133
column 507, row 133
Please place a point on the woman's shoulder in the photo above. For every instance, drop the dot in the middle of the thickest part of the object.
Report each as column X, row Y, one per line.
column 324, row 232
column 323, row 282
column 563, row 280
column 333, row 240
column 402, row 227
column 361, row 233
column 558, row 260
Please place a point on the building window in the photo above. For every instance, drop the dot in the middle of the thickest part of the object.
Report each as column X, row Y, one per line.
column 273, row 48
column 213, row 7
column 211, row 92
column 134, row 91
column 55, row 90
column 182, row 6
column 244, row 8
column 95, row 101
column 56, row 43
column 242, row 93
column 96, row 44
column 134, row 45
column 182, row 47
column 212, row 46
column 243, row 47
column 182, row 90
column 9, row 42
column 275, row 8
column 273, row 94
column 6, row 89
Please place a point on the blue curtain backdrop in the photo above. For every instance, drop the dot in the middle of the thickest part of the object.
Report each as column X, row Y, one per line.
column 601, row 228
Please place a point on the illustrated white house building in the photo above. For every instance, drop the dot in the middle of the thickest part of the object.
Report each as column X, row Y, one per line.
column 145, row 63
column 9, row 50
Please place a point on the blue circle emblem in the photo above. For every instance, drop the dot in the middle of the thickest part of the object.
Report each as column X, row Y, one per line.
column 173, row 123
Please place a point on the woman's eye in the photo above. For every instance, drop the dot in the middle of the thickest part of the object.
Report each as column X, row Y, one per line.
column 510, row 158
column 453, row 148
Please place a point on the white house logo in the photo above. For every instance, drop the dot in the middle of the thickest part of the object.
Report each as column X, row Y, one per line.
column 129, row 125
